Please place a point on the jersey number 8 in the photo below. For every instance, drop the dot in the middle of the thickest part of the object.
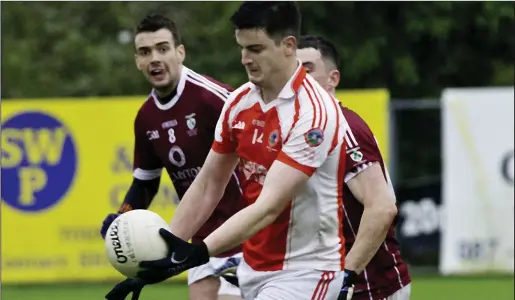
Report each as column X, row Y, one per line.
column 171, row 136
column 176, row 155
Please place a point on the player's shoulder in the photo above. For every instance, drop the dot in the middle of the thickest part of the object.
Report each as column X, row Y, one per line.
column 355, row 121
column 313, row 97
column 239, row 95
column 147, row 106
column 358, row 132
column 146, row 111
column 310, row 88
column 205, row 87
column 314, row 105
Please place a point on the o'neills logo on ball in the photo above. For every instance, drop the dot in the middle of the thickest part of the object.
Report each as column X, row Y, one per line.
column 117, row 246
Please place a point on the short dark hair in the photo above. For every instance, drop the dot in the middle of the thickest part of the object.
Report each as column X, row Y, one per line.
column 277, row 19
column 327, row 49
column 155, row 22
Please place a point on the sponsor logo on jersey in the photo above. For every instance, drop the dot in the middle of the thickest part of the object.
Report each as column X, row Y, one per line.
column 189, row 173
column 258, row 123
column 253, row 171
column 152, row 135
column 39, row 161
column 169, row 124
column 314, row 137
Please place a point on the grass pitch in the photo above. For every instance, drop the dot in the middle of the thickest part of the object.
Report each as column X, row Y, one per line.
column 423, row 288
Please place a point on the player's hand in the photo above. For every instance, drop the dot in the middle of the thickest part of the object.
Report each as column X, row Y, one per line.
column 349, row 278
column 124, row 288
column 106, row 223
column 130, row 285
column 228, row 270
column 181, row 257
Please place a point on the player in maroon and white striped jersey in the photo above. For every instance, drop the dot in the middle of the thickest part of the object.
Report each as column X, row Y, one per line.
column 174, row 130
column 368, row 194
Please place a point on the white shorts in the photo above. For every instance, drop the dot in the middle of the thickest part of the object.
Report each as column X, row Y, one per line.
column 288, row 284
column 206, row 270
column 402, row 294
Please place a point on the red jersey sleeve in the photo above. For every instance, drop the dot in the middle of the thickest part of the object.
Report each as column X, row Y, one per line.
column 146, row 165
column 362, row 148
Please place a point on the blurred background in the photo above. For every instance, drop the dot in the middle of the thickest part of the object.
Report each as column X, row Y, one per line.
column 433, row 79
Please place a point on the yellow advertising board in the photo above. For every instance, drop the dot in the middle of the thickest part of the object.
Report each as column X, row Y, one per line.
column 372, row 105
column 66, row 164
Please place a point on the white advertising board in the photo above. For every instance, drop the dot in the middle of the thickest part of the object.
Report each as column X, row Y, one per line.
column 478, row 170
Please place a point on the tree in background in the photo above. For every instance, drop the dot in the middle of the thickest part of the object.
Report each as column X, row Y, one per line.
column 415, row 49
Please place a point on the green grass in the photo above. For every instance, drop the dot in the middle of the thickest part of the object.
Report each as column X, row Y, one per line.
column 462, row 288
column 89, row 292
column 423, row 288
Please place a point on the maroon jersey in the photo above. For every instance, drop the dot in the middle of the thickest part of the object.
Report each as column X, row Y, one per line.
column 386, row 273
column 178, row 135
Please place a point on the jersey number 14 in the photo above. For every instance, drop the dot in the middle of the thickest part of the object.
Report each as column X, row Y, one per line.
column 258, row 137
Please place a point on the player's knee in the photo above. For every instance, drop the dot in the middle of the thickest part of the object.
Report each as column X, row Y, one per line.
column 205, row 289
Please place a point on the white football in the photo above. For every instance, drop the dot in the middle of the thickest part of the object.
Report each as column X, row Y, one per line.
column 134, row 237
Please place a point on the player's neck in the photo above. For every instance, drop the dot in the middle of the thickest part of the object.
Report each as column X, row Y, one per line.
column 270, row 92
column 166, row 95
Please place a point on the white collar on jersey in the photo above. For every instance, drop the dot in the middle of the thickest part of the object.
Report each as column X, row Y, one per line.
column 291, row 87
column 180, row 89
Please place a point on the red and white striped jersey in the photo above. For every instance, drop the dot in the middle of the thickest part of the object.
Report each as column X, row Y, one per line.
column 305, row 129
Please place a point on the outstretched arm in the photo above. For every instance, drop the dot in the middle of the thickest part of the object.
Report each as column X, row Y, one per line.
column 203, row 195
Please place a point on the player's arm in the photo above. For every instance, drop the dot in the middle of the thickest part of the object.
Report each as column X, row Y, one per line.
column 370, row 188
column 202, row 197
column 146, row 176
column 140, row 194
column 294, row 165
column 147, row 171
column 281, row 184
column 204, row 194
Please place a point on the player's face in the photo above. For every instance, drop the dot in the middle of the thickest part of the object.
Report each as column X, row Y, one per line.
column 159, row 58
column 316, row 66
column 262, row 57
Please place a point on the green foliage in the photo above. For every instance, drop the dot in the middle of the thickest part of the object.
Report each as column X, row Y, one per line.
column 417, row 48
column 413, row 48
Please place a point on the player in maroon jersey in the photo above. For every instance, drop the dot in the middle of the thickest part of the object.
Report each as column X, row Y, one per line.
column 382, row 272
column 174, row 130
